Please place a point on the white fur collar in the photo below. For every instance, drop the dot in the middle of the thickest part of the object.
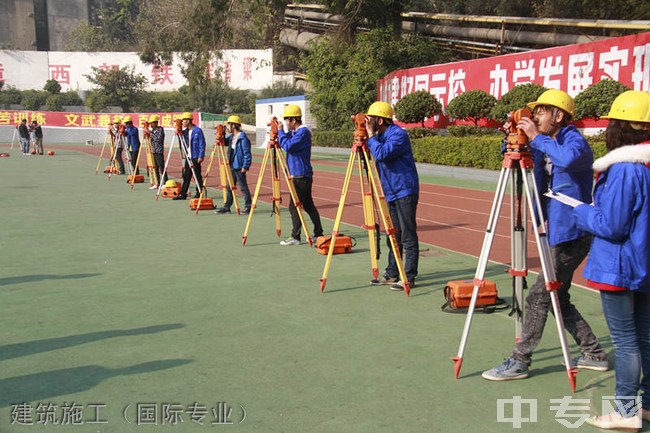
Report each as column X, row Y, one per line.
column 639, row 153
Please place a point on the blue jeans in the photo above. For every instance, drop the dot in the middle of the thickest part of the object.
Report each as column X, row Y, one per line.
column 402, row 213
column 628, row 319
column 24, row 144
column 239, row 178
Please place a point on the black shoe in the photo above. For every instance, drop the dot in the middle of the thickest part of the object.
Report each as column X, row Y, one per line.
column 180, row 197
column 246, row 211
column 197, row 195
column 222, row 210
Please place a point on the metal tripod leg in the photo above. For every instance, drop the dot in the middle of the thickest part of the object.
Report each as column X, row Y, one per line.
column 548, row 269
column 544, row 253
column 204, row 188
column 190, row 163
column 169, row 155
column 518, row 242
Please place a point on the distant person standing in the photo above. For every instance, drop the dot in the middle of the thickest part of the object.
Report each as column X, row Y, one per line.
column 117, row 137
column 158, row 148
column 37, row 132
column 297, row 143
column 195, row 141
column 132, row 142
column 239, row 158
column 23, row 133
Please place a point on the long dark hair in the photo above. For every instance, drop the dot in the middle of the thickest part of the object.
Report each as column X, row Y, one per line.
column 620, row 133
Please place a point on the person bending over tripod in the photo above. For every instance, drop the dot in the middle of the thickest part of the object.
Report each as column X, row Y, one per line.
column 562, row 162
column 390, row 146
column 297, row 143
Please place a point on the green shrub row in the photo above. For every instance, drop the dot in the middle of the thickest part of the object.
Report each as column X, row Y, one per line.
column 473, row 151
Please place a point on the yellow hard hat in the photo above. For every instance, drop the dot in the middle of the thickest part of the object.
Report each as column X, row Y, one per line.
column 117, row 119
column 234, row 119
column 555, row 98
column 292, row 111
column 381, row 109
column 154, row 118
column 632, row 105
column 171, row 183
column 187, row 116
column 127, row 119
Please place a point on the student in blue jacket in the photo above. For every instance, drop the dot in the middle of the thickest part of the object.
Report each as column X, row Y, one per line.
column 619, row 260
column 296, row 142
column 390, row 146
column 195, row 141
column 132, row 142
column 239, row 158
column 563, row 161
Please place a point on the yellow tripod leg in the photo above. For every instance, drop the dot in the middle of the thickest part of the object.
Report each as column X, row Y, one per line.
column 204, row 188
column 337, row 220
column 277, row 196
column 135, row 167
column 260, row 179
column 231, row 181
column 369, row 219
column 294, row 196
column 101, row 154
column 385, row 217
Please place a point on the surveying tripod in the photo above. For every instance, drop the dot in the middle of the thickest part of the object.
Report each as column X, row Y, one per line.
column 275, row 152
column 517, row 166
column 119, row 139
column 225, row 175
column 372, row 194
column 151, row 166
column 185, row 155
column 107, row 138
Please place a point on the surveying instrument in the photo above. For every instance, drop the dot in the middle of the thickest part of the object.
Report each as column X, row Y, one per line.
column 185, row 155
column 274, row 151
column 225, row 175
column 119, row 143
column 372, row 198
column 517, row 167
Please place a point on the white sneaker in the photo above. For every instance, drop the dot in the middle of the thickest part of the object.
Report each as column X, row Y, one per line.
column 153, row 187
column 290, row 241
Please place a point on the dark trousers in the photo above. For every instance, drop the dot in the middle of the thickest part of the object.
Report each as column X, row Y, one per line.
column 402, row 213
column 159, row 166
column 120, row 161
column 239, row 178
column 566, row 257
column 187, row 177
column 134, row 161
column 303, row 191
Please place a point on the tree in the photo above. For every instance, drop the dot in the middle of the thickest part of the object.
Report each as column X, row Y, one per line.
column 52, row 87
column 121, row 87
column 344, row 76
column 472, row 105
column 280, row 89
column 596, row 100
column 515, row 99
column 417, row 106
column 110, row 27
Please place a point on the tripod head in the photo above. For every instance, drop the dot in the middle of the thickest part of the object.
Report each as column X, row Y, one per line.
column 178, row 125
column 517, row 141
column 220, row 135
column 273, row 133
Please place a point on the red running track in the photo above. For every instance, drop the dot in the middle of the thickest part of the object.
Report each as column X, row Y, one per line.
column 448, row 217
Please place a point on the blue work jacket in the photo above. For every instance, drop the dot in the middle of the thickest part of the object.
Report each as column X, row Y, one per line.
column 132, row 138
column 395, row 163
column 297, row 144
column 619, row 219
column 195, row 142
column 239, row 157
column 571, row 174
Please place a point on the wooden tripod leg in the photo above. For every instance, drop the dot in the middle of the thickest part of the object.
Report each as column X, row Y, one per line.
column 369, row 221
column 337, row 220
column 204, row 188
column 231, row 182
column 169, row 155
column 101, row 154
column 260, row 179
column 294, row 196
column 386, row 220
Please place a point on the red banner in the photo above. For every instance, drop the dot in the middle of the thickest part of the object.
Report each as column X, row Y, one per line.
column 84, row 120
column 571, row 68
